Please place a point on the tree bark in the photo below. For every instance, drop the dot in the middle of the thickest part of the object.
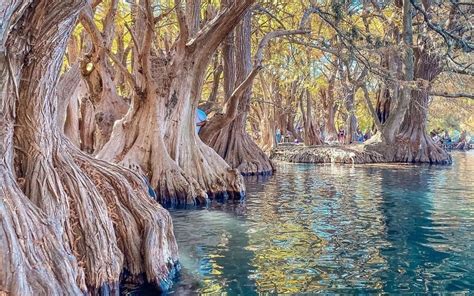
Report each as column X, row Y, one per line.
column 157, row 136
column 69, row 89
column 107, row 105
column 228, row 135
column 31, row 247
column 312, row 130
column 327, row 96
column 351, row 121
column 268, row 139
column 95, row 215
column 413, row 142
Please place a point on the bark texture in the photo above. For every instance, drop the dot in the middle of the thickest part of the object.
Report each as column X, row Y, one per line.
column 226, row 133
column 312, row 130
column 103, row 104
column 77, row 222
column 330, row 107
column 157, row 136
column 413, row 142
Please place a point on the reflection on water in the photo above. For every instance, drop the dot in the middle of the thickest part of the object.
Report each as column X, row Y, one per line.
column 361, row 229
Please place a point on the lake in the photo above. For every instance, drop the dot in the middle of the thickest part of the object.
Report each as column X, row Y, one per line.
column 335, row 229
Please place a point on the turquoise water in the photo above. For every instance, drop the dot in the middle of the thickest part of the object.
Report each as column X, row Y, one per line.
column 336, row 229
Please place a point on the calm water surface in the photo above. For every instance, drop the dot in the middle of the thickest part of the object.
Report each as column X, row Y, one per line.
column 336, row 229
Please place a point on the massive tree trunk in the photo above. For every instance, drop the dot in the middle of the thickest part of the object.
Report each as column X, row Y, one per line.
column 351, row 121
column 327, row 96
column 104, row 105
column 33, row 258
column 157, row 136
column 232, row 142
column 69, row 90
column 95, row 215
column 312, row 130
column 402, row 128
column 413, row 143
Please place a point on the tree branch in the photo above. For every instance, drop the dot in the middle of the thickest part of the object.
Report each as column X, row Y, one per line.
column 128, row 76
column 452, row 95
column 212, row 34
column 444, row 33
column 182, row 22
column 266, row 39
column 377, row 122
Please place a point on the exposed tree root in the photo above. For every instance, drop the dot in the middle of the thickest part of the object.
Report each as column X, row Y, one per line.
column 144, row 151
column 99, row 212
column 143, row 228
column 34, row 259
column 412, row 147
column 111, row 222
column 239, row 150
column 213, row 173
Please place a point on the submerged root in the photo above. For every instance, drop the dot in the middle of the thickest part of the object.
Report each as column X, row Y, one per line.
column 419, row 150
column 241, row 153
column 250, row 158
column 213, row 174
column 145, row 153
column 174, row 187
column 143, row 229
column 110, row 222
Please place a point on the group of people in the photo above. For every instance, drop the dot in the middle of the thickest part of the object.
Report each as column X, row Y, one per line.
column 458, row 141
column 359, row 136
column 282, row 138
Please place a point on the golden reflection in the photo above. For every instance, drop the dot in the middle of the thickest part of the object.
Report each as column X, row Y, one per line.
column 304, row 241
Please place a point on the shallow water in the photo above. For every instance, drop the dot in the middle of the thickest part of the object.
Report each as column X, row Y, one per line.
column 336, row 229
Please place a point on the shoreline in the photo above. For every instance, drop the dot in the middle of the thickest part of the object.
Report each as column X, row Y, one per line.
column 353, row 154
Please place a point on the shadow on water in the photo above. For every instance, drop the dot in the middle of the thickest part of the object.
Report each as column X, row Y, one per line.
column 334, row 229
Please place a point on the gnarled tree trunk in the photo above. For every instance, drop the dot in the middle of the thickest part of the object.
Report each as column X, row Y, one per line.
column 157, row 136
column 413, row 143
column 103, row 105
column 232, row 142
column 69, row 89
column 312, row 130
column 327, row 96
column 406, row 140
column 79, row 221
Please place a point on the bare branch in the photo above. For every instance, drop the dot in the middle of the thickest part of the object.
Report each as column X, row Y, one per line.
column 209, row 37
column 271, row 35
column 182, row 22
column 368, row 102
column 452, row 95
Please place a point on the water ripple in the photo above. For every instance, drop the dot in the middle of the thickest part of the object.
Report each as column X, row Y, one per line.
column 336, row 229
